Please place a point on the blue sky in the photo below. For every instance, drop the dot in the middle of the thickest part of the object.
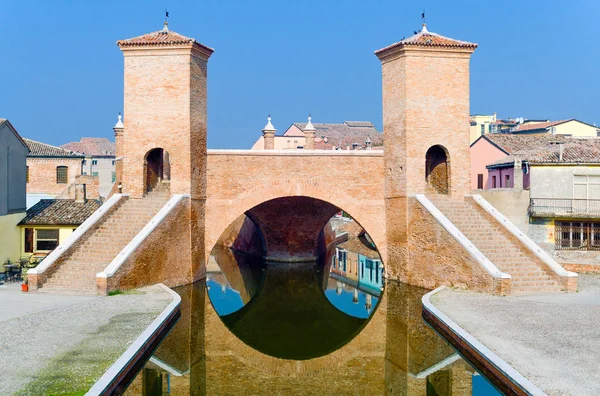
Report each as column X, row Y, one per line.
column 62, row 73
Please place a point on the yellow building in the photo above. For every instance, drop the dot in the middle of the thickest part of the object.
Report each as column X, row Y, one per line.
column 50, row 222
column 13, row 178
column 480, row 125
column 570, row 127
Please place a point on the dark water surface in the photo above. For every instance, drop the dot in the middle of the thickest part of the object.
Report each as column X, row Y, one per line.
column 324, row 328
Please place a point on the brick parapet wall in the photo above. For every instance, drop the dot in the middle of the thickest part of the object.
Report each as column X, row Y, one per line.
column 42, row 174
column 37, row 280
column 92, row 187
column 164, row 256
column 583, row 268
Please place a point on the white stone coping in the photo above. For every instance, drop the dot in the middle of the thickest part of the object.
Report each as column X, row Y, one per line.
column 116, row 263
column 461, row 238
column 300, row 153
column 117, row 367
column 537, row 250
column 490, row 356
column 77, row 234
column 437, row 367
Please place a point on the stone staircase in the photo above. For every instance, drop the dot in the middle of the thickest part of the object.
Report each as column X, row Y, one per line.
column 77, row 273
column 510, row 255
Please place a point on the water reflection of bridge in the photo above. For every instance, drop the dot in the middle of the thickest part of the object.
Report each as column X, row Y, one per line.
column 396, row 353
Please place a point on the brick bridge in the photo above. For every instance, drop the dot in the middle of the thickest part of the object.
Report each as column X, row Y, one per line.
column 173, row 198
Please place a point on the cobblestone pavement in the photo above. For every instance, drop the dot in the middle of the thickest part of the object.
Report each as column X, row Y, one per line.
column 56, row 344
column 553, row 340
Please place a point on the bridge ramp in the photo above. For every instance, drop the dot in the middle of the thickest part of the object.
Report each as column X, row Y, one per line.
column 529, row 274
column 77, row 273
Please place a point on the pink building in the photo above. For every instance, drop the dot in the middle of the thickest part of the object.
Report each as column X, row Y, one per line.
column 492, row 149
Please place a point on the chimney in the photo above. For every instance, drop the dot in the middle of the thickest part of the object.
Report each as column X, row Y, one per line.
column 80, row 193
column 309, row 135
column 560, row 152
column 269, row 135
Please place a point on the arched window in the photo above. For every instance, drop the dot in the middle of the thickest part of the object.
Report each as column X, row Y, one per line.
column 62, row 174
column 437, row 170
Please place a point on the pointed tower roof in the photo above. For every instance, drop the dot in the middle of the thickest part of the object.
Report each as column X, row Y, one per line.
column 269, row 126
column 426, row 38
column 164, row 37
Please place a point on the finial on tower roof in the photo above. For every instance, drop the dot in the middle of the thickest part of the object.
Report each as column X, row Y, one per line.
column 119, row 123
column 309, row 126
column 166, row 24
column 424, row 29
column 269, row 126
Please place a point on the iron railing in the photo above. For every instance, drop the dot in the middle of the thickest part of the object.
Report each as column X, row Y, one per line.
column 564, row 207
column 576, row 235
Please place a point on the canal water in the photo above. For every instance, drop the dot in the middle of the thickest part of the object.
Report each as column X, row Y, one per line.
column 334, row 326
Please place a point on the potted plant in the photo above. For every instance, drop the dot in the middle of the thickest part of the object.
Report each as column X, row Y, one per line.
column 25, row 284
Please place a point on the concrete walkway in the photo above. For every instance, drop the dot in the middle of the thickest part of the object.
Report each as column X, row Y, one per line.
column 51, row 344
column 553, row 340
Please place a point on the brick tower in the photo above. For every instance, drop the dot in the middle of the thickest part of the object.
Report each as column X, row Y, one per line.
column 425, row 82
column 164, row 134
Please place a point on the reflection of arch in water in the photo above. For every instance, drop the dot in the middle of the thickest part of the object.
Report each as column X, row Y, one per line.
column 291, row 318
column 437, row 170
column 396, row 353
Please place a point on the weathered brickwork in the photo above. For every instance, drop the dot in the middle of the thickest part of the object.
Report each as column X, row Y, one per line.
column 436, row 258
column 164, row 256
column 42, row 174
column 92, row 188
column 165, row 107
column 238, row 183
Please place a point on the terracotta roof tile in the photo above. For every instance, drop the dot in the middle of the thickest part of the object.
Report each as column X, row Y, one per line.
column 539, row 125
column 92, row 146
column 342, row 135
column 575, row 151
column 39, row 149
column 428, row 39
column 60, row 212
column 160, row 37
column 519, row 143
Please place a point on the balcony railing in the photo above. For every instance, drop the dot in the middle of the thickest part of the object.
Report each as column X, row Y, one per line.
column 564, row 207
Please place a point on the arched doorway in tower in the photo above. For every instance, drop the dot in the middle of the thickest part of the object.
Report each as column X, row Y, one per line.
column 157, row 169
column 437, row 170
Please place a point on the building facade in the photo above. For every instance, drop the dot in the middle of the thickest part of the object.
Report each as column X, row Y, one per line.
column 13, row 154
column 349, row 135
column 50, row 222
column 572, row 127
column 50, row 170
column 562, row 210
column 99, row 160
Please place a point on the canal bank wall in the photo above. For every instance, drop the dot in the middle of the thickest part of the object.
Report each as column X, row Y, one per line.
column 549, row 339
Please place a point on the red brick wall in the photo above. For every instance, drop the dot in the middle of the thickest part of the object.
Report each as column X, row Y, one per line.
column 42, row 174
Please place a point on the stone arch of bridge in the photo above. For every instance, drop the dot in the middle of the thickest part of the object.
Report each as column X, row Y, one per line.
column 221, row 216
